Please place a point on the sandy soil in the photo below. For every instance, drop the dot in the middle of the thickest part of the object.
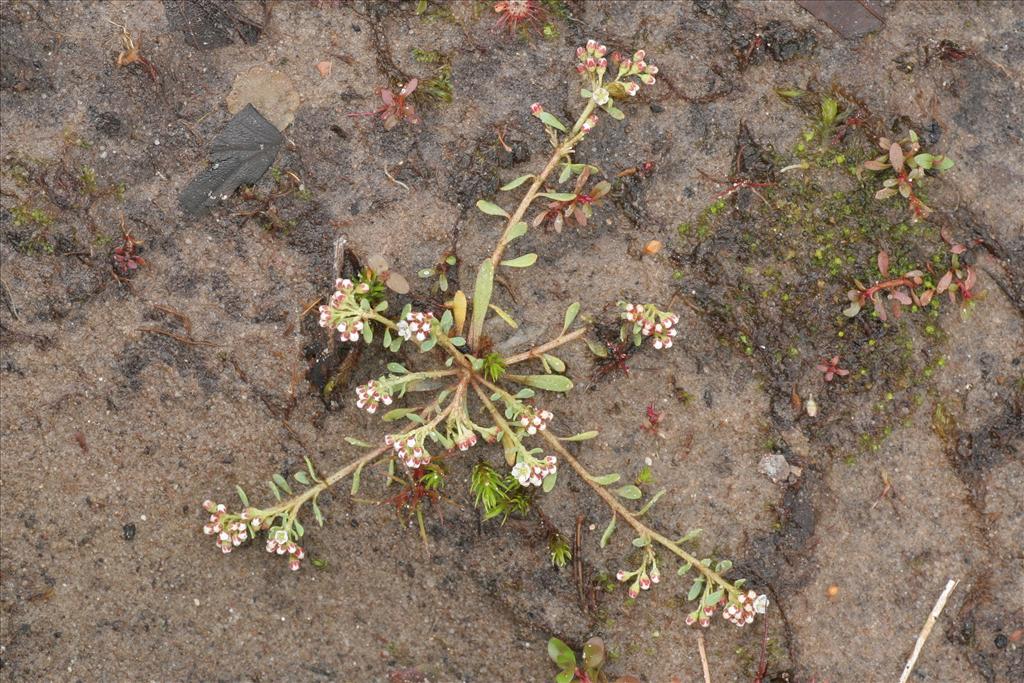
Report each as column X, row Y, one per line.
column 112, row 436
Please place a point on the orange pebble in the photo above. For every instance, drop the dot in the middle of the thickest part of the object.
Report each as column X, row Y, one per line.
column 652, row 247
column 832, row 592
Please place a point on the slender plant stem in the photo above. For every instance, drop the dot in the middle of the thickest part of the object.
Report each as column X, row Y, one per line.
column 538, row 181
column 539, row 351
column 632, row 519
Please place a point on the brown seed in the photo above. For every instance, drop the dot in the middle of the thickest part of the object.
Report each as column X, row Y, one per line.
column 652, row 247
column 832, row 591
column 324, row 68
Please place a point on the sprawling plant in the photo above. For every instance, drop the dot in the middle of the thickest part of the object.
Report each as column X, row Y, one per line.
column 476, row 393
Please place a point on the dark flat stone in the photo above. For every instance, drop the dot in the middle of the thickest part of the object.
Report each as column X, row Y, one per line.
column 849, row 18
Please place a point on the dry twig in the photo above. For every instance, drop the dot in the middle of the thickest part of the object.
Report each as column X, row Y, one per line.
column 928, row 624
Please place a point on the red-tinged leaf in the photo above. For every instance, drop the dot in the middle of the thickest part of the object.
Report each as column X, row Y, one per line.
column 944, row 233
column 397, row 283
column 944, row 282
column 958, row 248
column 879, row 307
column 410, row 87
column 387, row 97
column 884, row 143
column 852, row 310
column 905, row 190
column 971, row 279
column 896, row 310
column 841, row 372
column 927, row 297
column 902, row 297
column 883, row 263
column 885, row 193
column 875, row 165
column 896, row 156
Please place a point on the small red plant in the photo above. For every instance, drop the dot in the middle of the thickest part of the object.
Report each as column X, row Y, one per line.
column 577, row 205
column 126, row 259
column 395, row 108
column 831, row 368
column 515, row 13
column 908, row 167
column 652, row 418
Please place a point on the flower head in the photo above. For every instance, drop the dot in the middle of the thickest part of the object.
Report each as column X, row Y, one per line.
column 371, row 395
column 741, row 612
column 533, row 420
column 531, row 471
column 409, row 449
column 416, row 326
column 343, row 312
column 648, row 321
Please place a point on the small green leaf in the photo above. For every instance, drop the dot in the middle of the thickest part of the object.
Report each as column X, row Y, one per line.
column 517, row 182
column 509, row 320
column 585, row 93
column 650, row 503
column 516, row 231
column 560, row 653
column 629, row 492
column 558, row 196
column 943, row 165
column 241, row 494
column 274, row 490
column 427, row 345
column 491, row 209
column 396, row 414
column 299, row 529
column 641, row 541
column 566, row 676
column 696, row 588
column 583, row 436
column 608, row 531
column 556, row 363
column 614, row 112
column 282, row 483
column 686, row 566
column 524, row 261
column 597, row 348
column 355, row 478
column 689, row 536
column 551, row 120
column 457, row 341
column 606, row 479
column 301, row 478
column 712, row 598
column 357, row 442
column 570, row 316
column 924, row 160
column 481, row 299
column 558, row 383
column 723, row 566
column 317, row 515
column 549, row 482
column 565, row 174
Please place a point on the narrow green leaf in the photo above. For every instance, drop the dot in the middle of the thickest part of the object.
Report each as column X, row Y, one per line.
column 516, row 231
column 517, row 182
column 551, row 120
column 565, row 174
column 241, row 494
column 491, row 209
column 558, row 196
column 524, row 261
column 641, row 541
column 356, row 477
column 723, row 566
column 712, row 598
column 274, row 490
column 357, row 442
column 481, row 299
column 558, row 383
column 317, row 515
column 396, row 414
column 608, row 531
column 583, row 436
column 301, row 477
column 300, row 530
column 505, row 316
column 397, row 369
column 282, row 483
column 650, row 503
column 687, row 566
column 689, row 536
column 570, row 316
column 606, row 479
column 457, row 341
column 696, row 588
column 629, row 492
column 556, row 363
column 427, row 345
column 447, row 321
column 549, row 482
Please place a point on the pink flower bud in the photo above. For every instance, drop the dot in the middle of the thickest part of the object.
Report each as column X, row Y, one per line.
column 651, row 69
column 601, row 50
column 591, row 64
column 591, row 46
column 580, row 68
column 621, row 575
column 616, row 57
column 639, row 55
column 691, row 619
column 580, row 52
column 633, row 592
column 536, row 108
column 645, row 582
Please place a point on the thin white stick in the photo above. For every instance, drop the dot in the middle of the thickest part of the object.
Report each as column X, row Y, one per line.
column 703, row 657
column 928, row 624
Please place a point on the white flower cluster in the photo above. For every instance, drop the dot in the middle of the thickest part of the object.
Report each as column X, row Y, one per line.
column 642, row 579
column 534, row 421
column 230, row 530
column 532, row 472
column 746, row 606
column 650, row 322
column 415, row 326
column 409, row 450
column 636, row 67
column 279, row 542
column 342, row 312
column 371, row 395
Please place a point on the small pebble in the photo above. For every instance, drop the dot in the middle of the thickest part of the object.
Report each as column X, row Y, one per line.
column 129, row 531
